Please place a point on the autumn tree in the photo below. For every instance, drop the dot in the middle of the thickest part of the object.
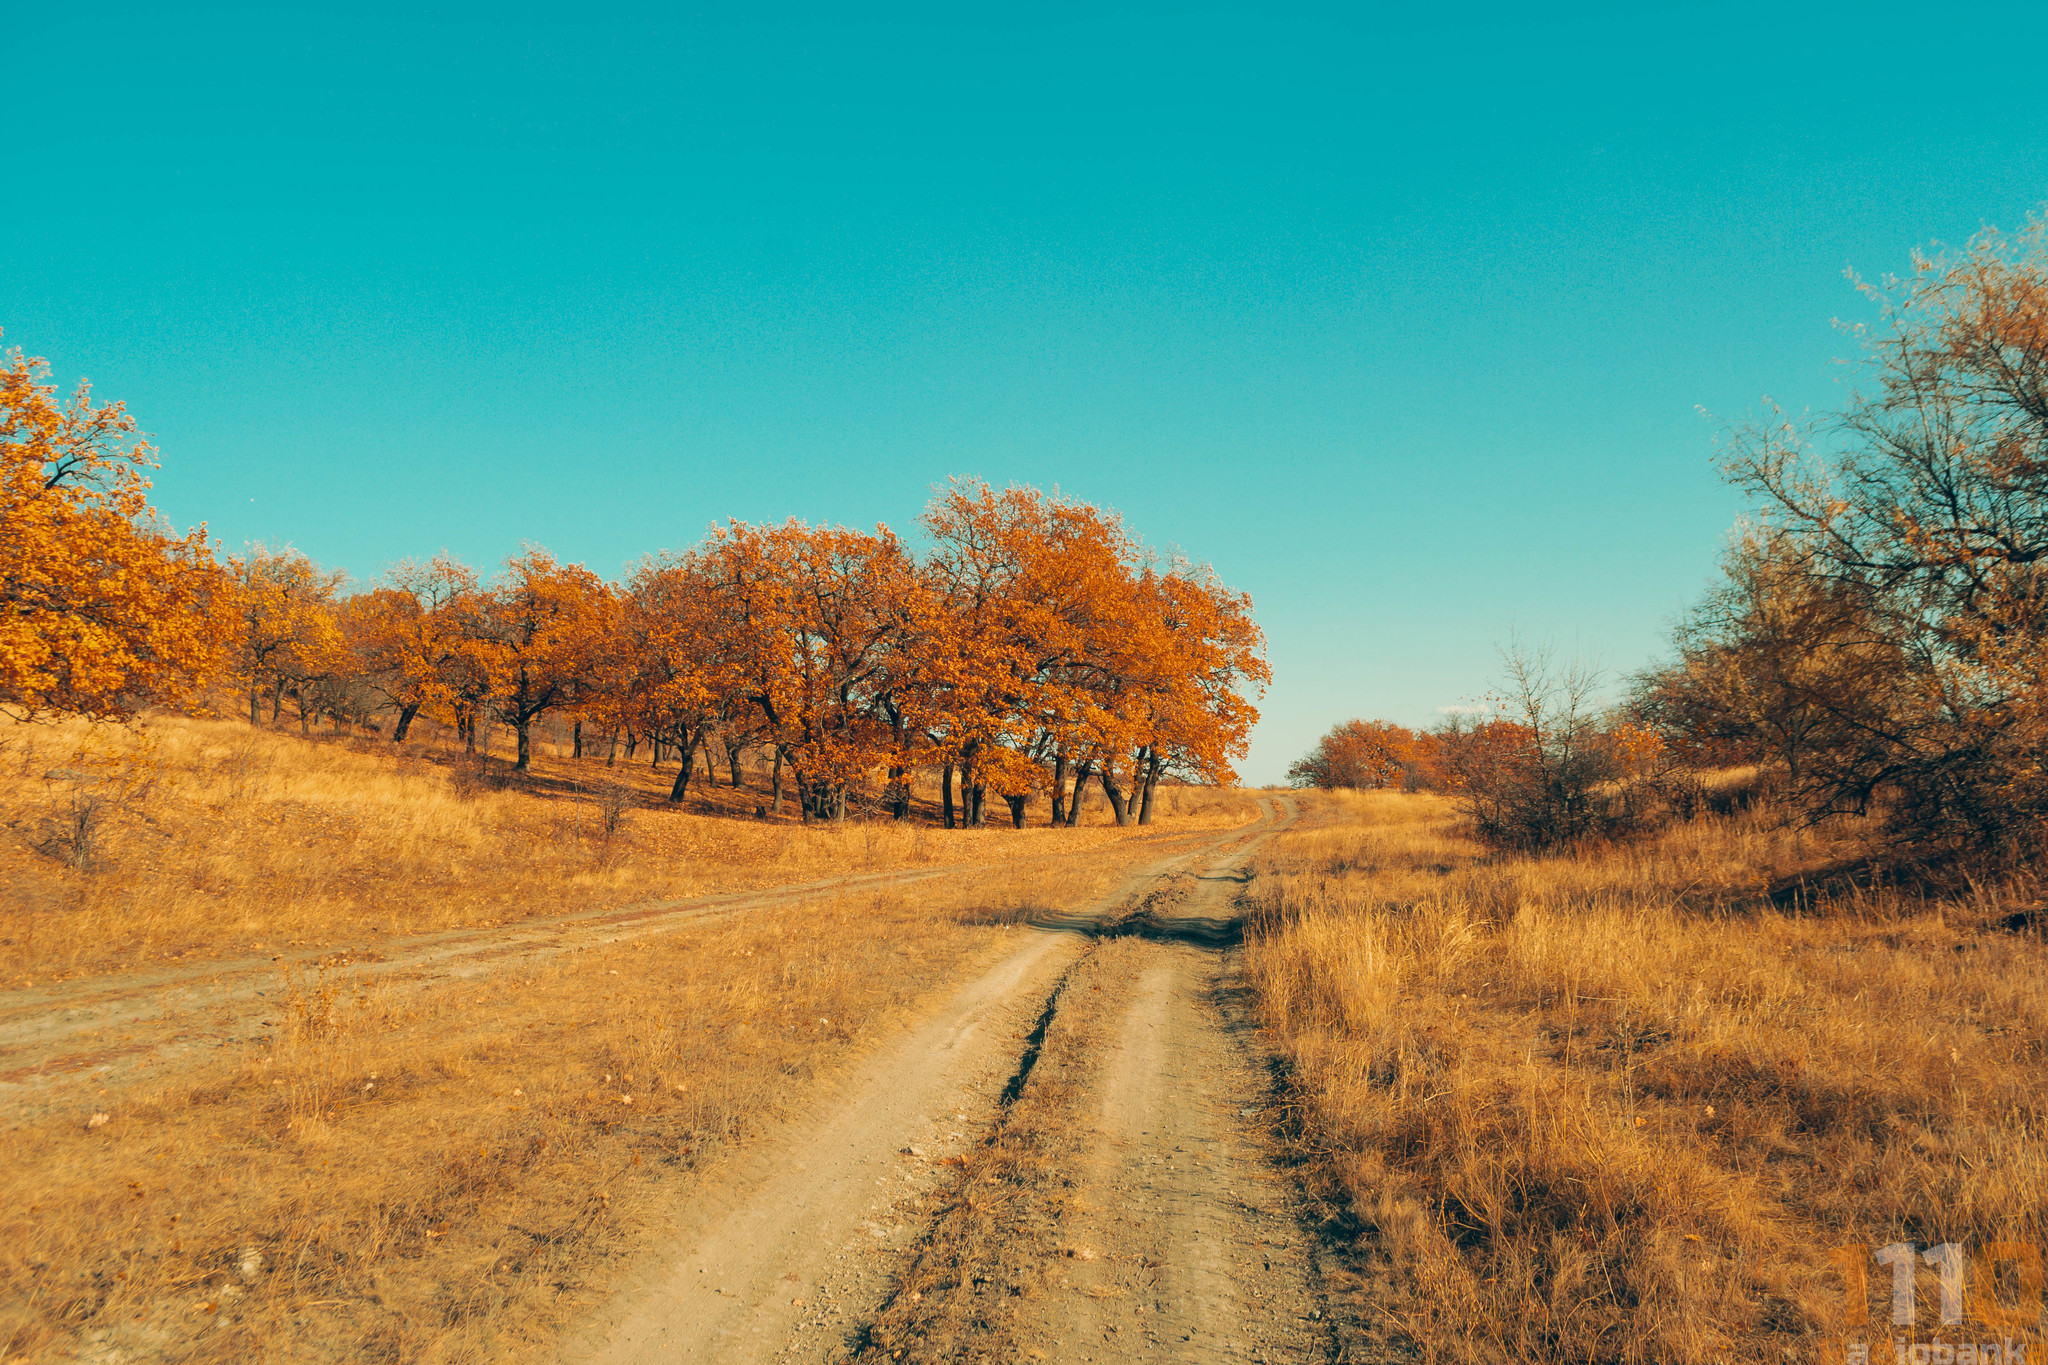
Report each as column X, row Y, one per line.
column 545, row 624
column 1549, row 764
column 1015, row 575
column 1207, row 660
column 1924, row 505
column 1361, row 755
column 813, row 624
column 288, row 634
column 1060, row 645
column 1775, row 667
column 419, row 639
column 673, row 652
column 106, row 610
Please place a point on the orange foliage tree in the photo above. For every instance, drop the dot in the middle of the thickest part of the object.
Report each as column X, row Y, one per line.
column 813, row 624
column 105, row 609
column 545, row 626
column 419, row 640
column 1019, row 583
column 670, row 677
column 1366, row 755
column 1057, row 642
column 288, row 635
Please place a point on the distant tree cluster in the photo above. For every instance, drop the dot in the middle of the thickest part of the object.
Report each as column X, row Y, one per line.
column 1541, row 764
column 1877, row 643
column 1370, row 755
column 1036, row 647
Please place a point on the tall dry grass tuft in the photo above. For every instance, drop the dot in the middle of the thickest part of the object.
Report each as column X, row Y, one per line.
column 196, row 840
column 1620, row 1106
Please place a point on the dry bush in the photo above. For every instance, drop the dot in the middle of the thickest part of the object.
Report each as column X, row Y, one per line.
column 227, row 840
column 445, row 1171
column 1617, row 1106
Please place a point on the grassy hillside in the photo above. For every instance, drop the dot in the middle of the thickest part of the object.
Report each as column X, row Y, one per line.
column 190, row 840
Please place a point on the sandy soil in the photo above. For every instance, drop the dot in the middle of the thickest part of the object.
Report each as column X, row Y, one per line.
column 1184, row 1241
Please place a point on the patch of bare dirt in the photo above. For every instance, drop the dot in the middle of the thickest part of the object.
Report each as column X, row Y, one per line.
column 1074, row 1163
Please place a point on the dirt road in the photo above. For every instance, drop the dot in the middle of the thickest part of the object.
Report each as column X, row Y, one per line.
column 109, row 1032
column 1148, row 1223
column 1185, row 1245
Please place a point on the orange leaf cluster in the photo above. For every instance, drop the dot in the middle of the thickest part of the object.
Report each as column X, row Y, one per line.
column 105, row 610
column 1368, row 755
column 1036, row 647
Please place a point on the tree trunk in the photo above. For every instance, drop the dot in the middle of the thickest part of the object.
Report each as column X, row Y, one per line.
column 522, row 727
column 1059, row 789
column 1017, row 810
column 946, row 793
column 305, row 711
column 611, row 748
column 732, row 763
column 1151, row 781
column 1117, row 805
column 980, row 817
column 255, row 706
column 632, row 743
column 687, row 769
column 1082, row 772
column 775, row 803
column 405, row 715
column 710, row 768
column 277, row 701
column 577, row 752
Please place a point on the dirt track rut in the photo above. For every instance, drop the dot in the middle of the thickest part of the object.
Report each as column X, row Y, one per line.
column 1182, row 1239
column 1177, row 1239
column 107, row 1032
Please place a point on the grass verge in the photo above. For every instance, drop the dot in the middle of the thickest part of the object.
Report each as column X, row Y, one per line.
column 1619, row 1106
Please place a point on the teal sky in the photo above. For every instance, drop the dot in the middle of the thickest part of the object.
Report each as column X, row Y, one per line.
column 1402, row 323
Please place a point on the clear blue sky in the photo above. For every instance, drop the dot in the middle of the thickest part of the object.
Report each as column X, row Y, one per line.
column 1402, row 323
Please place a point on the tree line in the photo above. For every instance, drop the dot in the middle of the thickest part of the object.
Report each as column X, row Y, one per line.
column 1876, row 641
column 1035, row 645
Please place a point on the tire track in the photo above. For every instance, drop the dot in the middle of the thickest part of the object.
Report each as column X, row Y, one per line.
column 53, row 1038
column 1127, row 1209
column 801, row 1249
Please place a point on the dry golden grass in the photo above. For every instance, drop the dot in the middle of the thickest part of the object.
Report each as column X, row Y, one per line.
column 439, row 1170
column 209, row 839
column 443, row 1172
column 1618, row 1106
